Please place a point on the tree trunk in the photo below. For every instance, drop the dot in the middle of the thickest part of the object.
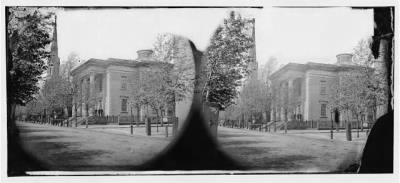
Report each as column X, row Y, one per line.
column 131, row 121
column 65, row 111
column 158, row 119
column 213, row 114
column 162, row 117
column 362, row 124
column 11, row 123
column 358, row 128
column 138, row 114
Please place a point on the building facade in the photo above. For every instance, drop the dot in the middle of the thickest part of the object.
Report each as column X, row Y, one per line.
column 104, row 87
column 302, row 91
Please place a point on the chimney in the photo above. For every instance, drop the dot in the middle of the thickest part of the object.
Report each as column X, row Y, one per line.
column 344, row 59
column 145, row 55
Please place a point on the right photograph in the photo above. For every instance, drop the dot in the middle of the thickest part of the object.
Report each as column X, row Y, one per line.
column 302, row 90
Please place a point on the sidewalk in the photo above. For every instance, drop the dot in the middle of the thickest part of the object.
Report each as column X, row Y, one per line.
column 126, row 130
column 326, row 134
column 316, row 134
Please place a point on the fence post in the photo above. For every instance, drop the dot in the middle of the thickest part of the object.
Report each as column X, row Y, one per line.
column 175, row 126
column 286, row 127
column 87, row 122
column 166, row 130
column 331, row 129
column 274, row 127
column 157, row 125
column 337, row 126
column 148, row 126
column 348, row 131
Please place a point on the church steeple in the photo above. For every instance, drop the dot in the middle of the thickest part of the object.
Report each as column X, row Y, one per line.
column 54, row 60
column 253, row 66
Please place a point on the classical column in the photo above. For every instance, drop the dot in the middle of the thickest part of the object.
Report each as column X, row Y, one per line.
column 84, row 98
column 283, row 101
column 104, row 92
column 91, row 94
column 73, row 104
column 79, row 101
column 272, row 115
column 291, row 103
column 307, row 98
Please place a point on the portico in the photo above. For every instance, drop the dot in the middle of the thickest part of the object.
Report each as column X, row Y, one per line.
column 90, row 92
column 288, row 94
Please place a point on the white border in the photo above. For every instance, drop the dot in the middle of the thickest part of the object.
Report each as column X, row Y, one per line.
column 200, row 178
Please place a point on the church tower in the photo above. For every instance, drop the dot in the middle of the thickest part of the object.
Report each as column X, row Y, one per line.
column 54, row 60
column 253, row 66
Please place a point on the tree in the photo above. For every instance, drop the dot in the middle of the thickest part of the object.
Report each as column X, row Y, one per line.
column 179, row 81
column 138, row 94
column 28, row 38
column 360, row 88
column 228, row 57
column 159, row 94
column 373, row 76
column 58, row 91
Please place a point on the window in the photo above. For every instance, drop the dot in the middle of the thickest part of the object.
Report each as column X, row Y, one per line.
column 323, row 87
column 123, row 85
column 100, row 85
column 100, row 104
column 299, row 89
column 124, row 105
column 123, row 82
column 323, row 110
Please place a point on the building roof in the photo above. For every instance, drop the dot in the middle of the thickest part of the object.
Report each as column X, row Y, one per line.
column 311, row 66
column 116, row 62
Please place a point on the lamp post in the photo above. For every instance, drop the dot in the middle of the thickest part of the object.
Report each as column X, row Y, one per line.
column 331, row 125
column 73, row 90
column 131, row 121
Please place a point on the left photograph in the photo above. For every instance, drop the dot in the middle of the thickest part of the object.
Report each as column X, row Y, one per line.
column 94, row 89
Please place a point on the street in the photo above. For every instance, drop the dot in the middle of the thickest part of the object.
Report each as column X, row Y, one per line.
column 288, row 152
column 61, row 148
column 81, row 149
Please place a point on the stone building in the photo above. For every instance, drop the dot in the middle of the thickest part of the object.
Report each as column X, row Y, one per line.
column 301, row 91
column 104, row 86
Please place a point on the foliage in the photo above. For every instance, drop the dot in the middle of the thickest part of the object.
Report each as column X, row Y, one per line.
column 228, row 57
column 176, row 50
column 362, row 88
column 255, row 96
column 153, row 88
column 28, row 40
column 58, row 90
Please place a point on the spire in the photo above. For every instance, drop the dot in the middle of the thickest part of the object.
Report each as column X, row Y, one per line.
column 253, row 65
column 253, row 53
column 54, row 60
column 54, row 46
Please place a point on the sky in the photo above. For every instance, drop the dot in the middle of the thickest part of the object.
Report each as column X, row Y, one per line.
column 297, row 35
